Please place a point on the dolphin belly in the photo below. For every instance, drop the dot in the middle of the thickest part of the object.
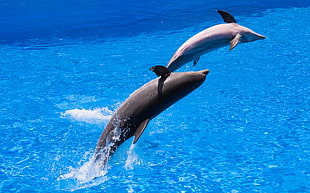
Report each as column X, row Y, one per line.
column 193, row 50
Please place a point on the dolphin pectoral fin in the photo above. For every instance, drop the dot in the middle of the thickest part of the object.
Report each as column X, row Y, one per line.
column 196, row 61
column 234, row 42
column 227, row 17
column 140, row 130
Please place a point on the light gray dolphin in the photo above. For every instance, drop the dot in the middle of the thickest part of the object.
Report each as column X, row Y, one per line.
column 212, row 38
column 133, row 115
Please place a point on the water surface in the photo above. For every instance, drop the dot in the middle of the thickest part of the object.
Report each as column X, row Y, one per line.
column 66, row 66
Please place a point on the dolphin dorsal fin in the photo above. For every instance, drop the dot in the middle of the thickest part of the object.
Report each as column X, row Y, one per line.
column 161, row 71
column 234, row 42
column 227, row 17
column 140, row 130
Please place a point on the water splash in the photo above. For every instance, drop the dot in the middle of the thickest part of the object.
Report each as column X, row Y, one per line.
column 89, row 174
column 132, row 158
column 94, row 171
column 94, row 116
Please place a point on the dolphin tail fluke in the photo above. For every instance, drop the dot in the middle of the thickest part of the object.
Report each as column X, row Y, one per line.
column 161, row 71
column 227, row 17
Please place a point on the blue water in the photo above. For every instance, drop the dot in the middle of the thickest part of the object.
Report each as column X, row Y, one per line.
column 65, row 66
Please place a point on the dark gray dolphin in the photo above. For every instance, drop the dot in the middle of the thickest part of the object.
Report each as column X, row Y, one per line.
column 212, row 38
column 133, row 115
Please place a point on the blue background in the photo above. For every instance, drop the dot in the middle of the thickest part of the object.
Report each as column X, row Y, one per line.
column 65, row 66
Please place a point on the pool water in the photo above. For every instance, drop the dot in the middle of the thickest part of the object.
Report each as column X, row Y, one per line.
column 65, row 67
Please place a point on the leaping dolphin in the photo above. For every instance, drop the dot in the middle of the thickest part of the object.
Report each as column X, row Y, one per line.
column 133, row 115
column 212, row 38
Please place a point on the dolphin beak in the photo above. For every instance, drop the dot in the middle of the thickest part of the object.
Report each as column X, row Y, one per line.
column 204, row 72
column 261, row 36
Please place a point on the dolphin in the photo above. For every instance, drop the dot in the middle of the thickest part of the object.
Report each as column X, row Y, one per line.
column 134, row 114
column 229, row 33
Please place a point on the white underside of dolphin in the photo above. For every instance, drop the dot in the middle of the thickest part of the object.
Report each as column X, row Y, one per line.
column 217, row 36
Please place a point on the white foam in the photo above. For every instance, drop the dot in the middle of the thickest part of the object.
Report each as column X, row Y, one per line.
column 91, row 173
column 132, row 158
column 94, row 116
column 88, row 175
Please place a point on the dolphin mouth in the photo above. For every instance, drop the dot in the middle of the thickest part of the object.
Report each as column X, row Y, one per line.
column 204, row 72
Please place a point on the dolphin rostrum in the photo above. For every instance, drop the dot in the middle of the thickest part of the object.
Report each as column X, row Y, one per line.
column 133, row 115
column 229, row 33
